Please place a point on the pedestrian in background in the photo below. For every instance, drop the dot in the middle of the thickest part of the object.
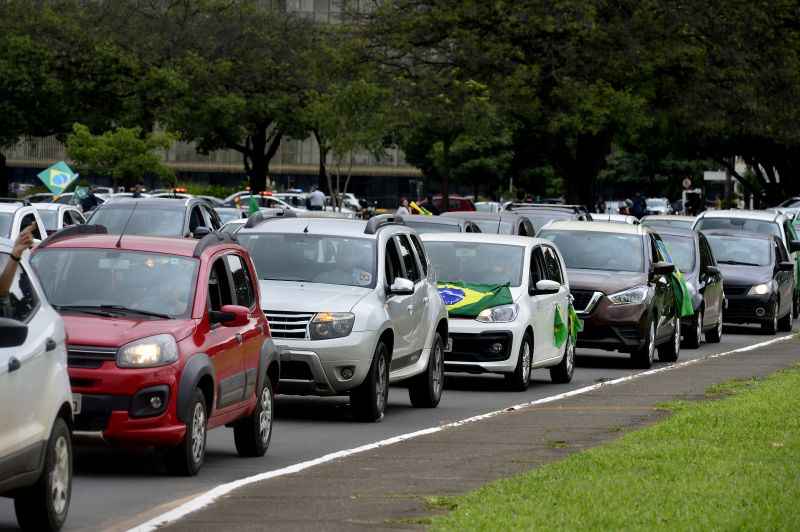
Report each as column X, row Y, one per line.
column 402, row 210
column 316, row 200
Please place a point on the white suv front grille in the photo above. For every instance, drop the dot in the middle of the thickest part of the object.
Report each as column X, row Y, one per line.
column 289, row 324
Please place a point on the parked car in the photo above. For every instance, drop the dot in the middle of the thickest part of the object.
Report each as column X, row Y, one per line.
column 36, row 417
column 439, row 224
column 56, row 216
column 499, row 223
column 619, row 279
column 512, row 336
column 166, row 340
column 668, row 220
column 615, row 218
column 657, row 206
column 455, row 203
column 16, row 215
column 190, row 218
column 353, row 307
column 690, row 252
column 759, row 279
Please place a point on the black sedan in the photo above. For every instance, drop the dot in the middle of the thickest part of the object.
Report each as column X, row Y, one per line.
column 502, row 223
column 758, row 278
column 694, row 258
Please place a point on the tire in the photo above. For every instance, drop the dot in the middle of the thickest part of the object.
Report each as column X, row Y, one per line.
column 370, row 398
column 187, row 458
column 521, row 377
column 693, row 337
column 771, row 326
column 670, row 351
column 253, row 434
column 786, row 322
column 646, row 355
column 425, row 390
column 45, row 505
column 562, row 373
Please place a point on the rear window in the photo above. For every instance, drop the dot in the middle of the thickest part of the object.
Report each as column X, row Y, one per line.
column 740, row 224
column 596, row 250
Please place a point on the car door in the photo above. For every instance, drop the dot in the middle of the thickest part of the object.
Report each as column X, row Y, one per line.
column 541, row 307
column 419, row 299
column 710, row 283
column 559, row 300
column 400, row 308
column 664, row 297
column 251, row 333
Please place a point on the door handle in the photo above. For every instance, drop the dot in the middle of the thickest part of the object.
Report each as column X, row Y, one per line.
column 50, row 345
column 14, row 364
column 239, row 338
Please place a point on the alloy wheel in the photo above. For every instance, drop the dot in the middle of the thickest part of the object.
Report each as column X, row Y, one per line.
column 198, row 433
column 265, row 417
column 59, row 476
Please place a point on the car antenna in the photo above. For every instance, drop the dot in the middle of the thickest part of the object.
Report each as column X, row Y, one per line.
column 122, row 233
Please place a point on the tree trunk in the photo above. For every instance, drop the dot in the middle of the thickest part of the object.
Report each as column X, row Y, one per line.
column 4, row 191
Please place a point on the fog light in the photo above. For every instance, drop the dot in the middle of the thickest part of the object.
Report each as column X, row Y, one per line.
column 760, row 312
column 347, row 373
column 155, row 402
column 496, row 347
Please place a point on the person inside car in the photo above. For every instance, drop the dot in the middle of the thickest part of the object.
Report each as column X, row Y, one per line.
column 24, row 241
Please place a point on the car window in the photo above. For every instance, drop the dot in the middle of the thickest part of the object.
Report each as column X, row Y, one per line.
column 17, row 301
column 219, row 288
column 423, row 259
column 409, row 261
column 242, row 284
column 393, row 267
column 551, row 265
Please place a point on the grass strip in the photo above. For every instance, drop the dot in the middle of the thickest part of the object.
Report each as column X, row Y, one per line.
column 726, row 464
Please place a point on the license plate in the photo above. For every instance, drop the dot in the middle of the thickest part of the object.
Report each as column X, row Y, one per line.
column 76, row 404
column 449, row 346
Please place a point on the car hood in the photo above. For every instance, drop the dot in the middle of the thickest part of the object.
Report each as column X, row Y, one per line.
column 745, row 275
column 295, row 296
column 116, row 332
column 605, row 281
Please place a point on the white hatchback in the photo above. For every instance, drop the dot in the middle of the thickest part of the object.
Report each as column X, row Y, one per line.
column 503, row 293
column 35, row 420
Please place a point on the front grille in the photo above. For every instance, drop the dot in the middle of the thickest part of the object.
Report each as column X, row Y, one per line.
column 84, row 356
column 288, row 324
column 735, row 290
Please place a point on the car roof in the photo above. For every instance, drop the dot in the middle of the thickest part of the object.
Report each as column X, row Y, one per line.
column 743, row 214
column 676, row 231
column 484, row 238
column 602, row 227
column 316, row 226
column 738, row 234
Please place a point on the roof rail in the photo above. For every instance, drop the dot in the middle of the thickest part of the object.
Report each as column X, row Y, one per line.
column 73, row 231
column 382, row 220
column 259, row 217
column 15, row 200
column 211, row 239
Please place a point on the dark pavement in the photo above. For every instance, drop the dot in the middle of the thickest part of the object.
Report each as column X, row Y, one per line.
column 385, row 488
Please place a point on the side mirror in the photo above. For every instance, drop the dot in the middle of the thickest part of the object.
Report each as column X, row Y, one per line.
column 230, row 316
column 785, row 266
column 13, row 333
column 794, row 246
column 201, row 231
column 545, row 286
column 401, row 287
column 662, row 268
column 712, row 270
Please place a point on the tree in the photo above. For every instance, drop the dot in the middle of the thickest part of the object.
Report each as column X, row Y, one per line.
column 124, row 154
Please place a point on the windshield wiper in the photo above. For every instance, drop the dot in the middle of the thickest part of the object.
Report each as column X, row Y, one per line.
column 738, row 263
column 86, row 309
column 127, row 310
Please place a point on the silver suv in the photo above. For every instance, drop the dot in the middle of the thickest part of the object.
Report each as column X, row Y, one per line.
column 352, row 306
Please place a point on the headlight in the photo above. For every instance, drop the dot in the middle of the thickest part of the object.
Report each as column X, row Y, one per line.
column 760, row 289
column 150, row 352
column 632, row 296
column 327, row 325
column 502, row 313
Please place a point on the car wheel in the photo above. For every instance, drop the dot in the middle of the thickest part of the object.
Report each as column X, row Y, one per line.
column 670, row 351
column 786, row 322
column 44, row 506
column 187, row 458
column 253, row 434
column 521, row 378
column 646, row 355
column 370, row 398
column 562, row 373
column 694, row 336
column 771, row 326
column 425, row 390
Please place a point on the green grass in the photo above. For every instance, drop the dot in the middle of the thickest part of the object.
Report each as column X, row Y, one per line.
column 726, row 464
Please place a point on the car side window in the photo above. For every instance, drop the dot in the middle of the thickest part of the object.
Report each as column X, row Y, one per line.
column 409, row 261
column 393, row 267
column 551, row 265
column 219, row 288
column 423, row 259
column 242, row 283
column 18, row 301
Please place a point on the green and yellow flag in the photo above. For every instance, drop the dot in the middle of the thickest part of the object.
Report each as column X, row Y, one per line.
column 467, row 300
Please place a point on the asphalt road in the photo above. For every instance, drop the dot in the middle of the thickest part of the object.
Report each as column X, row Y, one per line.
column 117, row 490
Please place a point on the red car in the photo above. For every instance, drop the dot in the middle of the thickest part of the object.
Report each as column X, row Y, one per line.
column 166, row 339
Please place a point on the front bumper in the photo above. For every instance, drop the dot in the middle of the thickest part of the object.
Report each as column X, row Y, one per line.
column 749, row 309
column 482, row 347
column 614, row 327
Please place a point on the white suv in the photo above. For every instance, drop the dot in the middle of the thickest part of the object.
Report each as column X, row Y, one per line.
column 35, row 420
column 503, row 293
column 352, row 306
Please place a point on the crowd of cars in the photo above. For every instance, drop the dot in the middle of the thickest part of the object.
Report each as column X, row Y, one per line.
column 153, row 320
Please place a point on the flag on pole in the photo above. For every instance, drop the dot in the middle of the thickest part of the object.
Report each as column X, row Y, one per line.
column 57, row 177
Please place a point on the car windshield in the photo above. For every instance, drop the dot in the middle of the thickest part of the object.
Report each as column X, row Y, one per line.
column 681, row 249
column 656, row 203
column 141, row 282
column 6, row 220
column 661, row 222
column 478, row 263
column 598, row 250
column 146, row 221
column 740, row 251
column 312, row 258
column 49, row 219
column 739, row 224
column 228, row 215
column 425, row 227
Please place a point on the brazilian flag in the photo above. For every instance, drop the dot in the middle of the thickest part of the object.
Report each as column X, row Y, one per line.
column 682, row 296
column 467, row 300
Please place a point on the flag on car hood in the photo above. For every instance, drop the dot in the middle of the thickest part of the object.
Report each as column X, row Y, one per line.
column 467, row 300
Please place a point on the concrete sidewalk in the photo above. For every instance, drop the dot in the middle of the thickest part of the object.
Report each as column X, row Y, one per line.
column 385, row 489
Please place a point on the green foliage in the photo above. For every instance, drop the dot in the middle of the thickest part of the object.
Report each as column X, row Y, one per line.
column 124, row 154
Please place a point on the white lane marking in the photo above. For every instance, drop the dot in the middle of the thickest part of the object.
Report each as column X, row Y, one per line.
column 201, row 501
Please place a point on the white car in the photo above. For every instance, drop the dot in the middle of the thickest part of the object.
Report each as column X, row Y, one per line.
column 16, row 216
column 514, row 332
column 352, row 306
column 35, row 420
column 57, row 216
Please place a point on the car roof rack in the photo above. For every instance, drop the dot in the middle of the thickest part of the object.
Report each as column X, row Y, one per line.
column 382, row 220
column 259, row 217
column 23, row 201
column 73, row 231
column 212, row 239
